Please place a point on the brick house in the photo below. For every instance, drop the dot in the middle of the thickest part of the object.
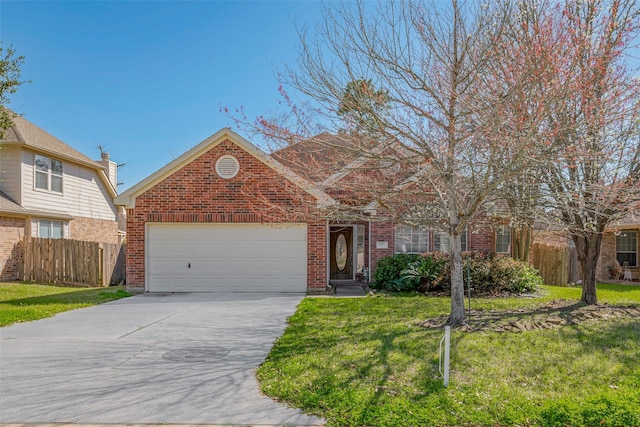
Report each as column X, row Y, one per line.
column 620, row 242
column 48, row 189
column 225, row 216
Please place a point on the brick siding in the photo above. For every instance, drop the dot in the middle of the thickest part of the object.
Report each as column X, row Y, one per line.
column 381, row 232
column 195, row 193
column 11, row 232
column 93, row 230
column 481, row 235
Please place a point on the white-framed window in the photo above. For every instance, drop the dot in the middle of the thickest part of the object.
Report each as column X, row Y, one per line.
column 442, row 242
column 48, row 173
column 50, row 229
column 411, row 239
column 627, row 248
column 503, row 239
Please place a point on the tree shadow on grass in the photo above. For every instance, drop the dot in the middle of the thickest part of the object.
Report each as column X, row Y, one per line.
column 359, row 389
column 354, row 388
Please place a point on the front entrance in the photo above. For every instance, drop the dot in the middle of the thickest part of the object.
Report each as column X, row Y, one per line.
column 341, row 253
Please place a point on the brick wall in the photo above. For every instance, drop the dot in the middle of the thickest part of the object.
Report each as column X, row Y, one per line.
column 11, row 232
column 196, row 193
column 93, row 230
column 381, row 232
column 481, row 236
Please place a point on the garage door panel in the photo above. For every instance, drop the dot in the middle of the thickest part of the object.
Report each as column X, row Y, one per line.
column 226, row 257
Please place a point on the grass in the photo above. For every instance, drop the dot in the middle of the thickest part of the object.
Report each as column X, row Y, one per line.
column 23, row 302
column 363, row 362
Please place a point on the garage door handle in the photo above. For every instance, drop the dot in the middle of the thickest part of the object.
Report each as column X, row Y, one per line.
column 189, row 265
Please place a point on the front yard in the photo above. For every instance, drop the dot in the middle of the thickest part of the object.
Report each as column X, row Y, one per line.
column 369, row 362
column 23, row 302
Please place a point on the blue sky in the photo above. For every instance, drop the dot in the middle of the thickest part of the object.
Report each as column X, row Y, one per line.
column 146, row 79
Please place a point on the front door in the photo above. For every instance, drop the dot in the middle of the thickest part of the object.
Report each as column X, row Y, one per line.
column 341, row 253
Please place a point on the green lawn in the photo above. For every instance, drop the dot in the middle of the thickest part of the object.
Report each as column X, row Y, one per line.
column 364, row 362
column 22, row 302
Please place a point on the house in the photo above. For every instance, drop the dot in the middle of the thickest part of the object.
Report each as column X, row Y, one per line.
column 226, row 216
column 48, row 189
column 620, row 242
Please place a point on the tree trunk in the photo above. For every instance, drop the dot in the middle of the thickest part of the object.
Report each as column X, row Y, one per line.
column 527, row 244
column 588, row 249
column 457, row 316
column 522, row 242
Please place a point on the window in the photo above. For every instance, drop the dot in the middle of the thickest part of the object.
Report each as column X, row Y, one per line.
column 48, row 229
column 442, row 242
column 48, row 173
column 411, row 239
column 503, row 239
column 627, row 248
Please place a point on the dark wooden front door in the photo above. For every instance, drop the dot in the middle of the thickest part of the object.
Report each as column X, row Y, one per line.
column 341, row 253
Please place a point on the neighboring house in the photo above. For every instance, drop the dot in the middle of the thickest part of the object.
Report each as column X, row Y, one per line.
column 50, row 190
column 226, row 216
column 621, row 242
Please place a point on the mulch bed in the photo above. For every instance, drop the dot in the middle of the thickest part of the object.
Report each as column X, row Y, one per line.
column 551, row 315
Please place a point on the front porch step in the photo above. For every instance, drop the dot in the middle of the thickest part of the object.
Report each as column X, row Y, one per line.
column 348, row 287
column 334, row 283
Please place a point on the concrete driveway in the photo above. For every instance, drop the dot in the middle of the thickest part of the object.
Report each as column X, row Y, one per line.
column 152, row 358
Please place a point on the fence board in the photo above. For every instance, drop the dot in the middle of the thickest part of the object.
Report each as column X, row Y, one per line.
column 552, row 263
column 113, row 263
column 71, row 261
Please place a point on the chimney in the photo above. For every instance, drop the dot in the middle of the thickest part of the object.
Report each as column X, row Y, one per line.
column 111, row 168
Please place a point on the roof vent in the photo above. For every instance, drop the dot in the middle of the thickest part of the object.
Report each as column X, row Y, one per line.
column 227, row 167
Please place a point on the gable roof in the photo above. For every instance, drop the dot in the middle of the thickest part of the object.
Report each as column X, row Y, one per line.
column 29, row 135
column 128, row 198
column 316, row 158
column 328, row 158
column 26, row 134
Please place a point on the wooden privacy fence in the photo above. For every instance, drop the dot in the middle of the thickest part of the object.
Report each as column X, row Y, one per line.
column 557, row 265
column 72, row 262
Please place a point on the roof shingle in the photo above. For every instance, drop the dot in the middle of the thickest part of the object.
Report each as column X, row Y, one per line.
column 26, row 133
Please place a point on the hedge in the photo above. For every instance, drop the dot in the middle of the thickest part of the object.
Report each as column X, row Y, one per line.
column 489, row 274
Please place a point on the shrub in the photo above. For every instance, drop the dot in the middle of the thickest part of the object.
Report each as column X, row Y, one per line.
column 489, row 274
column 389, row 270
column 421, row 273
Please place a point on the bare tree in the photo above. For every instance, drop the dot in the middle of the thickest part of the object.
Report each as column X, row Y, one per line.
column 588, row 149
column 436, row 152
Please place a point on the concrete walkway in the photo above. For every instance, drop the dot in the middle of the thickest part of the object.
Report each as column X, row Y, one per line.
column 148, row 359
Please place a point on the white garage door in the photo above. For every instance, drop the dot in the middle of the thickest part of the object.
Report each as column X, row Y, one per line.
column 226, row 258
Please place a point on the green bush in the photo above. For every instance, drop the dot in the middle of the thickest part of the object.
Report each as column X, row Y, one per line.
column 489, row 274
column 387, row 275
column 421, row 273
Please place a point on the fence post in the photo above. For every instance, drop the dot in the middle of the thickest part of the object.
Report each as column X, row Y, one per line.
column 101, row 266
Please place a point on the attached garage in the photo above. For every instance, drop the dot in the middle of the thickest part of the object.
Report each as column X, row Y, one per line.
column 225, row 217
column 201, row 257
